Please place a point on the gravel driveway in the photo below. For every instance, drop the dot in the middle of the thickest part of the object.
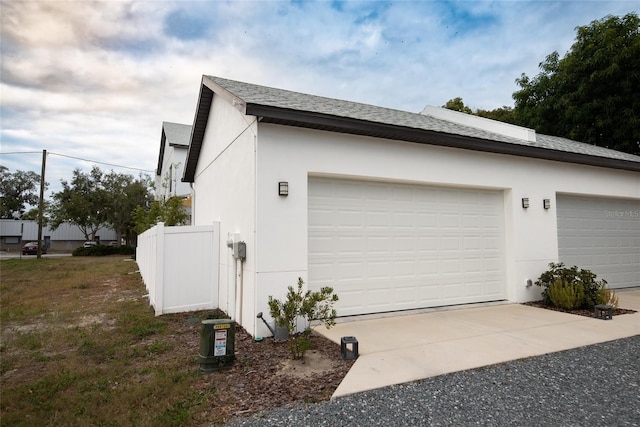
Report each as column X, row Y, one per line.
column 593, row 385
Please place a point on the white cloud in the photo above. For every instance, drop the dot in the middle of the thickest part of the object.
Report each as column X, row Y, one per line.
column 96, row 79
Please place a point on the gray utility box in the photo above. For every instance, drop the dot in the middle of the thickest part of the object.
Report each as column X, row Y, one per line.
column 217, row 344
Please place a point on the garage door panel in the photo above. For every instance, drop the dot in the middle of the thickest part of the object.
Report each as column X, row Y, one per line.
column 474, row 289
column 471, row 243
column 602, row 235
column 492, row 288
column 427, row 267
column 378, row 270
column 377, row 219
column 473, row 265
column 419, row 246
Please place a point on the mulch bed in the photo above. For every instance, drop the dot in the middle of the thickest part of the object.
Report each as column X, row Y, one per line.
column 256, row 381
column 579, row 312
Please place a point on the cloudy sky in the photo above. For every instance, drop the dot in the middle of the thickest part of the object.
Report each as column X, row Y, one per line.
column 95, row 79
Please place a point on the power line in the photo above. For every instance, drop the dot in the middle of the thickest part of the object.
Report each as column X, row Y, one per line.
column 102, row 163
column 80, row 158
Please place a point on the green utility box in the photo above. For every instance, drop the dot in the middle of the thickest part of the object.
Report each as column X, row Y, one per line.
column 217, row 344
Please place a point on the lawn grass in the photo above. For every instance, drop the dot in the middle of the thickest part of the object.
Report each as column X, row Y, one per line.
column 81, row 346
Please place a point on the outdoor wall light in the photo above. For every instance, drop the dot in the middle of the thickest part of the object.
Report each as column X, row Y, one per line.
column 525, row 202
column 283, row 188
column 546, row 203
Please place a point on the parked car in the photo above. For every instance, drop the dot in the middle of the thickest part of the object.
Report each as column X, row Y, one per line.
column 31, row 248
column 89, row 244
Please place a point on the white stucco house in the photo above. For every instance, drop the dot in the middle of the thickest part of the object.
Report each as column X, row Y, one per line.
column 174, row 143
column 398, row 210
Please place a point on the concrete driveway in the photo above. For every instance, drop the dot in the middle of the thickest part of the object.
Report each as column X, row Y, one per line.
column 398, row 349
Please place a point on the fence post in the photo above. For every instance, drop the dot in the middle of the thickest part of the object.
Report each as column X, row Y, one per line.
column 159, row 255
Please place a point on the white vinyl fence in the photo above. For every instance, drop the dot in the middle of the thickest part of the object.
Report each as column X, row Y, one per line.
column 179, row 267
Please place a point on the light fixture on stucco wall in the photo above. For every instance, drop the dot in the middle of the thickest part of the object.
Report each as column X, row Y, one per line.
column 283, row 188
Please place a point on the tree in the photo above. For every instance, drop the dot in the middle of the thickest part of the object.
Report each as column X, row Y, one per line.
column 502, row 114
column 124, row 194
column 81, row 202
column 170, row 211
column 592, row 94
column 32, row 214
column 94, row 200
column 17, row 191
column 456, row 104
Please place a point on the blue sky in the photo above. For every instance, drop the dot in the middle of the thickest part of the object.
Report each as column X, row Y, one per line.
column 95, row 80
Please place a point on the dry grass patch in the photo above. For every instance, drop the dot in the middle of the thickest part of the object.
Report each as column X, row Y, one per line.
column 81, row 346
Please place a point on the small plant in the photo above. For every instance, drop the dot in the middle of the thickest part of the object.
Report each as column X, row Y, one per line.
column 311, row 306
column 566, row 295
column 608, row 297
column 593, row 291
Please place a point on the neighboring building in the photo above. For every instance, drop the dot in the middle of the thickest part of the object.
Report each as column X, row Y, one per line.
column 398, row 210
column 174, row 143
column 66, row 238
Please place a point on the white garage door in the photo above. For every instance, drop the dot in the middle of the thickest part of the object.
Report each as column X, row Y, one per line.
column 386, row 246
column 602, row 235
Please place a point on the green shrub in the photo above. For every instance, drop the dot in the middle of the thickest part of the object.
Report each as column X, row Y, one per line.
column 593, row 290
column 103, row 250
column 312, row 306
column 567, row 295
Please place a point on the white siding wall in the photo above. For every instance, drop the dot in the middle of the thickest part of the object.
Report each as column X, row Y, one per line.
column 292, row 154
column 225, row 191
column 176, row 157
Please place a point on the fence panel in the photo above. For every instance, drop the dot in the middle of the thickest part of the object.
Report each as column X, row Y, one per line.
column 179, row 267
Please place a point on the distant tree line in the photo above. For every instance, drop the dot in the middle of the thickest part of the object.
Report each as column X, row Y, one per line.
column 91, row 201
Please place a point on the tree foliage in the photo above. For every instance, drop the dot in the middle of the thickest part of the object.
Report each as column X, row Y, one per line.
column 18, row 190
column 94, row 200
column 170, row 211
column 124, row 195
column 81, row 202
column 456, row 104
column 592, row 94
column 502, row 114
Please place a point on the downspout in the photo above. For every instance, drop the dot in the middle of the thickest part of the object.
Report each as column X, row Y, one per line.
column 240, row 291
column 255, row 227
column 231, row 238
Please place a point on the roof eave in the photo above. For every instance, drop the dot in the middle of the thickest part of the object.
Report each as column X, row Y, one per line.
column 205, row 98
column 163, row 139
column 332, row 123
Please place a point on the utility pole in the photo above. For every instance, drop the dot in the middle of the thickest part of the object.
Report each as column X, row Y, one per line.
column 41, row 203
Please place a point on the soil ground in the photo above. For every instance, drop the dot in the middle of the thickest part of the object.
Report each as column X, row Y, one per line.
column 264, row 376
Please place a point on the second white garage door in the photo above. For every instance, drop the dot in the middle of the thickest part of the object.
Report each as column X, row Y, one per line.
column 602, row 235
column 388, row 246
